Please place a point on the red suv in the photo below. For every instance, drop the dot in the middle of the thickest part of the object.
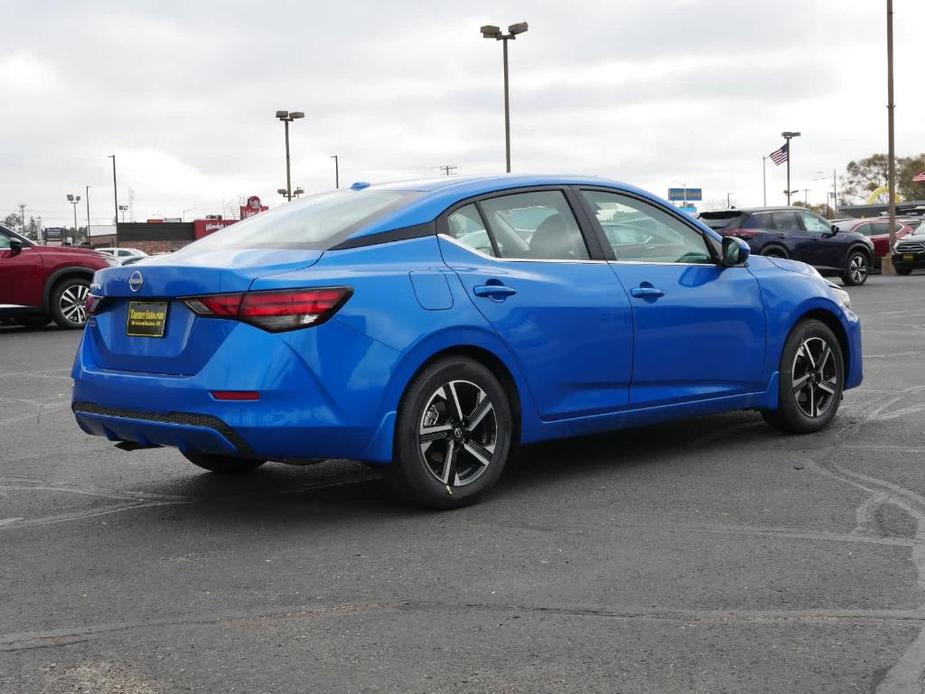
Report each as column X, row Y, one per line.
column 43, row 283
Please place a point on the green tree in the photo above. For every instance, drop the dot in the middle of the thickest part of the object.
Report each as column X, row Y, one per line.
column 868, row 179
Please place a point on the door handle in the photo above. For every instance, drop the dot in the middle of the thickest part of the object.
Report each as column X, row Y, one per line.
column 498, row 292
column 647, row 292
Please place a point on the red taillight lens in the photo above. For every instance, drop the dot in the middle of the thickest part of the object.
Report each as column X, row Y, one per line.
column 744, row 233
column 274, row 311
column 91, row 303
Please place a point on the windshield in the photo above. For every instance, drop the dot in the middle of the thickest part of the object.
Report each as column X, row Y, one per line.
column 317, row 222
column 920, row 230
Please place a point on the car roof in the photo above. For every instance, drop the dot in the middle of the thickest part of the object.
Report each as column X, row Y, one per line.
column 434, row 195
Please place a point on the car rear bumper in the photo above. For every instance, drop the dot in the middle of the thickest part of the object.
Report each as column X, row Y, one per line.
column 321, row 395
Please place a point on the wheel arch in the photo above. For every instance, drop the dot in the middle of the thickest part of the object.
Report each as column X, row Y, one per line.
column 62, row 274
column 774, row 245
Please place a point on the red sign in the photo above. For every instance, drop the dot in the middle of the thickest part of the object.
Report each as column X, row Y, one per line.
column 204, row 227
column 252, row 207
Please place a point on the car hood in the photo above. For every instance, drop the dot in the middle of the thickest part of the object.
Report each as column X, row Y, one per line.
column 73, row 251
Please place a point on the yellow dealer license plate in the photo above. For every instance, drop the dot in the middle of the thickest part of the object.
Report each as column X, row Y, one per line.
column 146, row 318
column 908, row 256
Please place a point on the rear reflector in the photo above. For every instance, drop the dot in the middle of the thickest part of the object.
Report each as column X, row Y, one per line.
column 274, row 311
column 236, row 395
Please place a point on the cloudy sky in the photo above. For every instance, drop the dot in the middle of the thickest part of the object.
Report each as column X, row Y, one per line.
column 653, row 93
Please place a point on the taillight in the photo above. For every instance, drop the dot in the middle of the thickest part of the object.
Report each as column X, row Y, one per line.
column 274, row 311
column 744, row 233
column 91, row 304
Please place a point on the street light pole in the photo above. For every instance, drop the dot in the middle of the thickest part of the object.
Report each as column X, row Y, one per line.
column 115, row 197
column 336, row 171
column 489, row 31
column 887, row 265
column 75, row 201
column 287, row 117
column 788, row 136
column 87, row 200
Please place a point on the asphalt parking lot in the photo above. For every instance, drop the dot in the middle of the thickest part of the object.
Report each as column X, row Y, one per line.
column 710, row 555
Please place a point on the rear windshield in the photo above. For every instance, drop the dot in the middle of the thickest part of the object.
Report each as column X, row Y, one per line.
column 721, row 220
column 317, row 222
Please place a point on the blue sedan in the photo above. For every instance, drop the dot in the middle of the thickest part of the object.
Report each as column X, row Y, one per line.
column 432, row 326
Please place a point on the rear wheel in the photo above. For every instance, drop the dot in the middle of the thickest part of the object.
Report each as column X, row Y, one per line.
column 453, row 434
column 222, row 464
column 812, row 375
column 67, row 302
column 857, row 268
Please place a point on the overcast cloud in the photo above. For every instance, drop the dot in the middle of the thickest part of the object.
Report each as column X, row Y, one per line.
column 692, row 91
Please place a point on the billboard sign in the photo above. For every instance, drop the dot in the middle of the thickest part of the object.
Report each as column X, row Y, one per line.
column 54, row 234
column 252, row 207
column 685, row 194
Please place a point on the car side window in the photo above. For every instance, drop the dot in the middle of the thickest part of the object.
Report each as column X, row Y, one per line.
column 878, row 228
column 4, row 241
column 466, row 226
column 638, row 231
column 786, row 221
column 538, row 226
column 814, row 225
column 759, row 221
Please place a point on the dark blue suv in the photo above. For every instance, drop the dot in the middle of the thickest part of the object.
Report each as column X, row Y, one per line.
column 796, row 233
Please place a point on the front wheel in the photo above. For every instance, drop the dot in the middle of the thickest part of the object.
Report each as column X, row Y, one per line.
column 857, row 269
column 812, row 375
column 453, row 434
column 67, row 302
column 222, row 464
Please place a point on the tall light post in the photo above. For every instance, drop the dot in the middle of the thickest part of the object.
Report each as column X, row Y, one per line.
column 287, row 117
column 336, row 171
column 489, row 31
column 887, row 265
column 75, row 201
column 764, row 178
column 87, row 200
column 788, row 136
column 115, row 197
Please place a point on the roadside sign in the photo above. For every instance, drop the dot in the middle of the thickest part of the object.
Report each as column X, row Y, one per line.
column 685, row 194
column 53, row 234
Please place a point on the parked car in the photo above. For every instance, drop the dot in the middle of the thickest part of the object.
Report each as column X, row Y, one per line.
column 877, row 229
column 124, row 255
column 909, row 253
column 797, row 233
column 39, row 284
column 363, row 324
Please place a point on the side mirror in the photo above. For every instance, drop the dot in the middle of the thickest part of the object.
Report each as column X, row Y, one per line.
column 15, row 246
column 834, row 229
column 735, row 251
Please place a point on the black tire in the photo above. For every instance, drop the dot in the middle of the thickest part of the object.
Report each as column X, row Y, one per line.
column 774, row 252
column 819, row 382
column 902, row 270
column 448, row 469
column 67, row 299
column 857, row 269
column 222, row 464
column 32, row 321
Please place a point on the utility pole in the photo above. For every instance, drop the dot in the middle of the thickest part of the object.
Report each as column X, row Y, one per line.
column 887, row 266
column 115, row 197
column 806, row 196
column 834, row 194
column 448, row 169
column 22, row 218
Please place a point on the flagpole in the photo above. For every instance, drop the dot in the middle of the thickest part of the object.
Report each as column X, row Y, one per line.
column 788, row 136
column 764, row 178
column 886, row 267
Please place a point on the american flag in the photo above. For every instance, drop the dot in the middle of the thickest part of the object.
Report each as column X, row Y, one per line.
column 779, row 156
column 919, row 178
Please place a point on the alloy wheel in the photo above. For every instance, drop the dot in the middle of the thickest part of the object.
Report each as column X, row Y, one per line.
column 857, row 268
column 815, row 377
column 457, row 433
column 71, row 303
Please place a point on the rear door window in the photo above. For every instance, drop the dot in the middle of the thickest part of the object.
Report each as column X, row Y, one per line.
column 786, row 221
